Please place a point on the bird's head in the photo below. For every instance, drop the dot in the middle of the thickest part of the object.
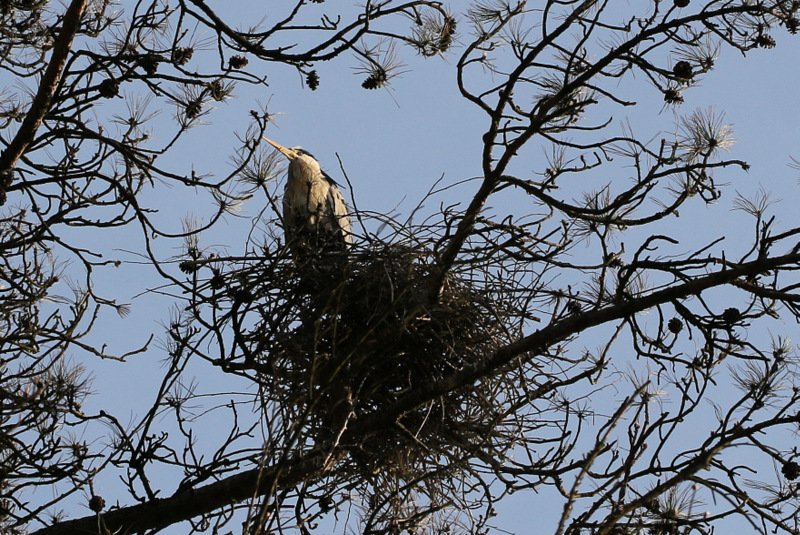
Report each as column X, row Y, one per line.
column 291, row 154
column 302, row 165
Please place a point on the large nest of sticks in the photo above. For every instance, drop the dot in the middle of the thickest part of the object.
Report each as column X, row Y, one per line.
column 354, row 333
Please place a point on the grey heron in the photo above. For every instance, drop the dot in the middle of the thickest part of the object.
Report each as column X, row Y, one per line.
column 314, row 211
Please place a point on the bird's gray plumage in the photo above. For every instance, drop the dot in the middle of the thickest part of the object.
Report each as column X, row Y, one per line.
column 315, row 214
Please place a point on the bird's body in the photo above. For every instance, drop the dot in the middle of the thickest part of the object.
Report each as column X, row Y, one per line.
column 314, row 211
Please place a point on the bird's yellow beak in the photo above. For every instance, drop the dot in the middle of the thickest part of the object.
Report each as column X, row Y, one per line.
column 289, row 153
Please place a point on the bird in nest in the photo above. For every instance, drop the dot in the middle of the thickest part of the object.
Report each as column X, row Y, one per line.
column 315, row 215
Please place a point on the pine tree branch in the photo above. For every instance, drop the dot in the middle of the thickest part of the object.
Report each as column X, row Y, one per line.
column 47, row 88
column 191, row 503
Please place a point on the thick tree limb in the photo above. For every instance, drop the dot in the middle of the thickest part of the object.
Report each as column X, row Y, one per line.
column 47, row 88
column 572, row 325
column 163, row 512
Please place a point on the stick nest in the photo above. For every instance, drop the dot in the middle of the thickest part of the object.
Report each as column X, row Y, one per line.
column 352, row 334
